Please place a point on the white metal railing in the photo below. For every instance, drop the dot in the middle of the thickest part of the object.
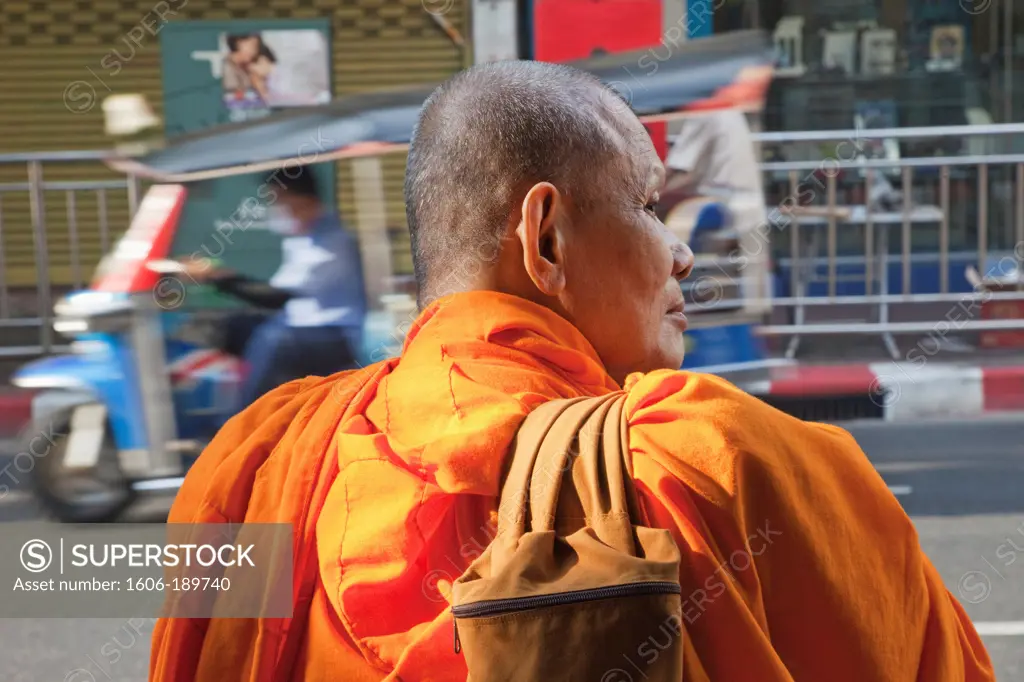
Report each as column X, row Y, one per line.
column 808, row 247
column 36, row 301
column 890, row 133
column 996, row 182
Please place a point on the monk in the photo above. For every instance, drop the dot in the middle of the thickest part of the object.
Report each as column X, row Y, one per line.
column 545, row 273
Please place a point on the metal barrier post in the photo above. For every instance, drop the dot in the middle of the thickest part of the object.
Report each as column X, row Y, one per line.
column 1018, row 247
column 76, row 258
column 1008, row 50
column 35, row 180
column 101, row 207
column 869, row 236
column 883, row 264
column 908, row 191
column 982, row 216
column 944, row 230
column 832, row 237
column 796, row 287
column 5, row 304
column 133, row 196
column 883, row 285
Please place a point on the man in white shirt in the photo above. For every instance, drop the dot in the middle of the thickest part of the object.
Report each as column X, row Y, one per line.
column 317, row 296
column 715, row 158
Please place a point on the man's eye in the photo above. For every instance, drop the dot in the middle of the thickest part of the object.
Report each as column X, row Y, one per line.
column 651, row 207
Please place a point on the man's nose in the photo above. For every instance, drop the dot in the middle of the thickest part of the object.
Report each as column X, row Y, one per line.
column 682, row 258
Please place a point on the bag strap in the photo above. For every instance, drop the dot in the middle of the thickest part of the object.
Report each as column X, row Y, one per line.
column 584, row 441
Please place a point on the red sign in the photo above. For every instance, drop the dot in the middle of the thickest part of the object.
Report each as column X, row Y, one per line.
column 1002, row 310
column 567, row 30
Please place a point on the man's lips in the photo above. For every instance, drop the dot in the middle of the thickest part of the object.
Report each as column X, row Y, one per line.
column 676, row 314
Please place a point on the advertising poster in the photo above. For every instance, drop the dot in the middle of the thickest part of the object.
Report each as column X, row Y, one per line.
column 223, row 72
column 263, row 70
column 878, row 52
column 218, row 72
column 947, row 47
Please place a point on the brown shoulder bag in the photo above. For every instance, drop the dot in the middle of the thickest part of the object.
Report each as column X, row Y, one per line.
column 574, row 586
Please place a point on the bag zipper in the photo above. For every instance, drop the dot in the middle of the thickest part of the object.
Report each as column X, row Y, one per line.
column 494, row 607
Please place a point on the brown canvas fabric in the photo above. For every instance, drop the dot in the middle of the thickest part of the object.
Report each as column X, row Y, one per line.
column 574, row 586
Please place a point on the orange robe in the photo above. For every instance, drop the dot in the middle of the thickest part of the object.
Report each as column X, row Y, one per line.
column 798, row 563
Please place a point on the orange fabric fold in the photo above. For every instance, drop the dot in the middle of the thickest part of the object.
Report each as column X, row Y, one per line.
column 799, row 564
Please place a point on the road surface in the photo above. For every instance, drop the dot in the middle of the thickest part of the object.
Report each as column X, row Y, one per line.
column 962, row 484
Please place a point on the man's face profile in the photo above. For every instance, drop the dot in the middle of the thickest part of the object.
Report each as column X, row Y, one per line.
column 622, row 266
column 553, row 166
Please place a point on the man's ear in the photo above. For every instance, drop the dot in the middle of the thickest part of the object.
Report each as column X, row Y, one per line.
column 542, row 239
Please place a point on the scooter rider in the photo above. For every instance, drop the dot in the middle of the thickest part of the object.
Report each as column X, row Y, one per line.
column 317, row 294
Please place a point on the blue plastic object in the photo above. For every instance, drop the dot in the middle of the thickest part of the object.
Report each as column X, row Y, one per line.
column 925, row 275
column 711, row 218
column 721, row 346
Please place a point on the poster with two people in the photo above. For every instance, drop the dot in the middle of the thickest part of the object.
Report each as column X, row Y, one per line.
column 222, row 72
column 263, row 70
column 230, row 71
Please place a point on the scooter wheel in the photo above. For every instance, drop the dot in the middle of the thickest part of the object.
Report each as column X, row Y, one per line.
column 99, row 494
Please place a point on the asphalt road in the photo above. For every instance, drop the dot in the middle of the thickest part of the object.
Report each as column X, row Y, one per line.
column 962, row 483
column 963, row 486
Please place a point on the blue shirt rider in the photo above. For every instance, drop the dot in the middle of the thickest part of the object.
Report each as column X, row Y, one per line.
column 316, row 299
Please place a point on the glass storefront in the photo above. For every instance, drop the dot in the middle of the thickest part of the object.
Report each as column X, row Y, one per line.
column 906, row 62
column 848, row 64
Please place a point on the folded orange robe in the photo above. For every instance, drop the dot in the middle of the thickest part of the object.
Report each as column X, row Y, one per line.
column 798, row 563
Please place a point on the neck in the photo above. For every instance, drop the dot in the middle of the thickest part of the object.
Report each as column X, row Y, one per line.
column 456, row 280
column 495, row 267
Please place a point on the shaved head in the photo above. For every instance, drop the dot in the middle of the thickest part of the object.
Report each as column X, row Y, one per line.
column 483, row 139
column 536, row 181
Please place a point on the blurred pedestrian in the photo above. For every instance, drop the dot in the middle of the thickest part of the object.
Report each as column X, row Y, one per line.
column 714, row 159
column 317, row 295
